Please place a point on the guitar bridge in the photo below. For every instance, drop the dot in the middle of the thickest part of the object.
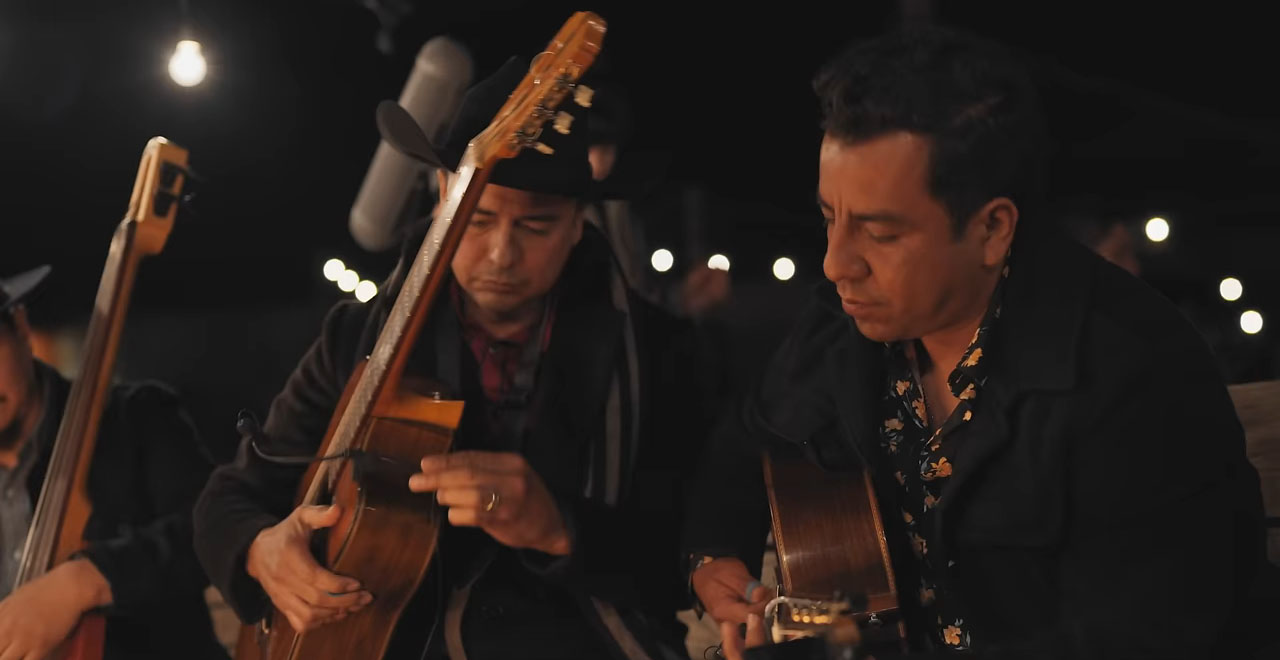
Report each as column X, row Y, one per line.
column 789, row 618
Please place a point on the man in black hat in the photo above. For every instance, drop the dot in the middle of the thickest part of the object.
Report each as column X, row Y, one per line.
column 565, row 484
column 148, row 464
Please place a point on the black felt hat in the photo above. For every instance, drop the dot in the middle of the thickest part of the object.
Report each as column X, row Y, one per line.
column 566, row 171
column 15, row 289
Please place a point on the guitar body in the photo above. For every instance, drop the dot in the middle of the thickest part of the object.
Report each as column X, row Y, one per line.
column 387, row 534
column 831, row 541
column 86, row 641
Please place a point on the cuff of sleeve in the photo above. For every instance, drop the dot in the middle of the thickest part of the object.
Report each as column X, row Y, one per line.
column 243, row 593
column 128, row 574
column 559, row 569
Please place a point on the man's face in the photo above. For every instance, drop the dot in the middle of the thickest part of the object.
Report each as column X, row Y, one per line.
column 17, row 378
column 514, row 249
column 900, row 269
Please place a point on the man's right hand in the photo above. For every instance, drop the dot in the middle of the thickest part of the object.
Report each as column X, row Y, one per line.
column 720, row 585
column 307, row 594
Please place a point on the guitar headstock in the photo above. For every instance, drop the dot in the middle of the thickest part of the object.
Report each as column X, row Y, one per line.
column 157, row 190
column 553, row 76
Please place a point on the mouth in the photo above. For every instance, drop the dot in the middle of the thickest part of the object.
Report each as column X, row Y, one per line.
column 855, row 307
column 497, row 286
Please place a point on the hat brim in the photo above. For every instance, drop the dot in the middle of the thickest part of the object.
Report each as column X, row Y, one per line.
column 19, row 287
column 399, row 130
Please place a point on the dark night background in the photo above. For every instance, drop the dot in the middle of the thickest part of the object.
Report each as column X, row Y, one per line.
column 1156, row 110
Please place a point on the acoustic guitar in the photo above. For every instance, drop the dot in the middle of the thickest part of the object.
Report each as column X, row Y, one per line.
column 835, row 577
column 385, row 423
column 61, row 513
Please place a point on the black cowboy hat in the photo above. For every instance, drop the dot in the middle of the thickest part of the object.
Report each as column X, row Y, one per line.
column 566, row 171
column 15, row 289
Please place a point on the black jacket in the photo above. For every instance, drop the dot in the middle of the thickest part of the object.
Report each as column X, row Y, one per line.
column 148, row 467
column 1102, row 505
column 626, row 555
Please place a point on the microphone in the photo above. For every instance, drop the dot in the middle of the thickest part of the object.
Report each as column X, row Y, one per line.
column 387, row 198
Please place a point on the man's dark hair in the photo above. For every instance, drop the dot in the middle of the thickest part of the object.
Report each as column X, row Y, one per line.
column 970, row 97
column 7, row 323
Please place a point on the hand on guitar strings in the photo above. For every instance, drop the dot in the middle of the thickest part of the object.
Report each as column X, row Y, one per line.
column 721, row 586
column 306, row 594
column 40, row 614
column 499, row 493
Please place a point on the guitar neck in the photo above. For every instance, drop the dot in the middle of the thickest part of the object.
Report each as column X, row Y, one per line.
column 57, row 527
column 421, row 287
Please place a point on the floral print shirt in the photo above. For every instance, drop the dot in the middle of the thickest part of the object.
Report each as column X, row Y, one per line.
column 923, row 457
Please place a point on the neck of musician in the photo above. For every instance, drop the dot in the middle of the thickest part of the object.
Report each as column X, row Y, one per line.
column 505, row 324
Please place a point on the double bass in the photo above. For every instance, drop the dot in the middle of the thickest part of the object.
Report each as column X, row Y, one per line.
column 385, row 423
column 63, row 509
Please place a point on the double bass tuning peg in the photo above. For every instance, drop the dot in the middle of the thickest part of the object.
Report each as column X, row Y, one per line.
column 582, row 95
column 562, row 123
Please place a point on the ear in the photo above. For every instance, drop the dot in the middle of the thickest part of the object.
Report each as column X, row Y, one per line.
column 995, row 224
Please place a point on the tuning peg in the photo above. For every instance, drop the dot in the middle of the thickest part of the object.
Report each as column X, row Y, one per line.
column 542, row 148
column 563, row 121
column 582, row 95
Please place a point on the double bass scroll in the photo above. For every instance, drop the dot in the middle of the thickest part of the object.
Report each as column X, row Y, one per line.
column 62, row 511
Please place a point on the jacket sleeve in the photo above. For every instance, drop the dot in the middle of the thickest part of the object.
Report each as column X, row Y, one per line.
column 251, row 493
column 153, row 563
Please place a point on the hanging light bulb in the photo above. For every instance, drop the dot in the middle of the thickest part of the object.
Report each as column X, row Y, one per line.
column 662, row 260
column 187, row 66
column 784, row 268
column 1157, row 230
column 366, row 290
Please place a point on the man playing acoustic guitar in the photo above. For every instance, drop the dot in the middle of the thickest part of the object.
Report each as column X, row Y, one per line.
column 563, row 494
column 1060, row 470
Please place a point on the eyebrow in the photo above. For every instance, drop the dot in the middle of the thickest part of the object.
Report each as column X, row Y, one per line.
column 878, row 216
column 529, row 217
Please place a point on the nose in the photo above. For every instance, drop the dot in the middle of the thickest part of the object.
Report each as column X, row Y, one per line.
column 504, row 250
column 843, row 261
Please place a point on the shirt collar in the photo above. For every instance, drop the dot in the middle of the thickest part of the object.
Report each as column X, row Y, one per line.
column 969, row 371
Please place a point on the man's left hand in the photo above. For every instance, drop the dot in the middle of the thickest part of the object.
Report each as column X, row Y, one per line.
column 497, row 492
column 39, row 615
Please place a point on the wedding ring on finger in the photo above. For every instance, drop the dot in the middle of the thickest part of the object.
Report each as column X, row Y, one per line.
column 493, row 501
